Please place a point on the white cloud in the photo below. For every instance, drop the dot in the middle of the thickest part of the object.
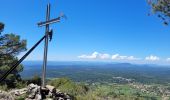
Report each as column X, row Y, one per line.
column 168, row 59
column 152, row 58
column 116, row 56
column 132, row 58
column 95, row 55
column 92, row 56
column 104, row 56
column 119, row 57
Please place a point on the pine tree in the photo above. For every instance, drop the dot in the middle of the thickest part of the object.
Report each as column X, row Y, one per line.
column 10, row 47
column 162, row 9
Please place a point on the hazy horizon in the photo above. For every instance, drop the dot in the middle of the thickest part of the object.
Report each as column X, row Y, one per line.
column 90, row 62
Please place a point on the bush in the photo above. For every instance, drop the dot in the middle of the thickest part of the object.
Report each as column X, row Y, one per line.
column 22, row 97
column 35, row 80
column 4, row 87
column 21, row 84
column 70, row 87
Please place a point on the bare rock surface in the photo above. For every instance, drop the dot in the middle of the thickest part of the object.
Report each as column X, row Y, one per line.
column 5, row 96
column 18, row 92
column 35, row 92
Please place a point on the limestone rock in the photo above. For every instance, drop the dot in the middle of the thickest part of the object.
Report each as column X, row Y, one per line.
column 18, row 92
column 35, row 92
column 5, row 96
column 51, row 88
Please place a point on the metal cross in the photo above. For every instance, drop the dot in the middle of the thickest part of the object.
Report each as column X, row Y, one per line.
column 46, row 24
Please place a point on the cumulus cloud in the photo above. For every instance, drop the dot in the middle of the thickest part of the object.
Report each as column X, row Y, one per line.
column 168, row 59
column 120, row 57
column 104, row 56
column 92, row 56
column 152, row 58
column 95, row 55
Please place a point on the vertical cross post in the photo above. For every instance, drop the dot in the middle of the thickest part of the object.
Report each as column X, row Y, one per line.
column 45, row 47
column 48, row 35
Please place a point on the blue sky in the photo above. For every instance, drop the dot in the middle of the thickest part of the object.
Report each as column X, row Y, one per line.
column 97, row 30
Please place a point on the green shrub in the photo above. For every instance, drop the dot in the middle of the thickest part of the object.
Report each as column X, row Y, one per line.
column 22, row 97
column 35, row 80
column 4, row 87
column 68, row 86
column 21, row 84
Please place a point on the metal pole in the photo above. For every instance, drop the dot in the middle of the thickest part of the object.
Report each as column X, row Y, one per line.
column 45, row 47
column 17, row 63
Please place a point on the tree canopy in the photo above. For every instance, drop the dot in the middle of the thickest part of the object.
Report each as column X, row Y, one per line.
column 162, row 9
column 10, row 47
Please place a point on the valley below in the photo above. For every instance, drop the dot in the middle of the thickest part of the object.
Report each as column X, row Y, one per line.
column 108, row 81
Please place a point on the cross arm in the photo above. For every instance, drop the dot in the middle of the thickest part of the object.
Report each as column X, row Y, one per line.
column 40, row 24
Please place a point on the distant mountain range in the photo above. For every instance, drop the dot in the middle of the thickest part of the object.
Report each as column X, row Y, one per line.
column 99, row 71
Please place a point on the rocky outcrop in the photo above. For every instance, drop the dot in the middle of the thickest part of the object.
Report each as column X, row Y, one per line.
column 5, row 96
column 35, row 92
column 18, row 92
